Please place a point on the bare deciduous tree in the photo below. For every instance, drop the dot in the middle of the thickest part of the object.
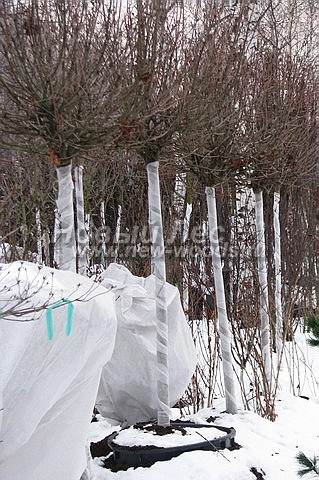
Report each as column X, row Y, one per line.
column 61, row 98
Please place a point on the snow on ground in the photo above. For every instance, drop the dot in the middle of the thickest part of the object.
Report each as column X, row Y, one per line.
column 189, row 436
column 270, row 447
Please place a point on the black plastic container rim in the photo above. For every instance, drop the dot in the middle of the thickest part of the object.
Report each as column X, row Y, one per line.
column 230, row 431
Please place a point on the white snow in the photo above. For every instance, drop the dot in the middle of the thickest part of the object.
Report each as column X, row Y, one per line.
column 132, row 436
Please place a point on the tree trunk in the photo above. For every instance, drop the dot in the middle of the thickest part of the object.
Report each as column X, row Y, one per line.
column 224, row 213
column 224, row 330
column 158, row 269
column 185, row 279
column 278, row 285
column 117, row 233
column 102, row 244
column 81, row 233
column 39, row 236
column 66, row 219
column 263, row 286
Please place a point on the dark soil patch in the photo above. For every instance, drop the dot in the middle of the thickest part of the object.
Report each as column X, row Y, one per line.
column 258, row 475
column 212, row 419
column 94, row 414
column 101, row 448
column 110, row 464
column 234, row 446
column 158, row 429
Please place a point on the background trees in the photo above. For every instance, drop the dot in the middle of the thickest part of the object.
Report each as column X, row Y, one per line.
column 56, row 83
column 223, row 95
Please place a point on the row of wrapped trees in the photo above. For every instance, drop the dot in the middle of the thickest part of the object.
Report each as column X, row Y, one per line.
column 223, row 98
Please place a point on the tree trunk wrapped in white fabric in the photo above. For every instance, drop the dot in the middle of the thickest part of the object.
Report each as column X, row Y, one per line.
column 224, row 330
column 103, row 233
column 81, row 233
column 278, row 300
column 39, row 235
column 263, row 285
column 158, row 266
column 66, row 218
column 185, row 234
column 57, row 237
column 117, row 233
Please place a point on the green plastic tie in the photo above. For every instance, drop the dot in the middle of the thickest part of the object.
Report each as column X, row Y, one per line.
column 49, row 317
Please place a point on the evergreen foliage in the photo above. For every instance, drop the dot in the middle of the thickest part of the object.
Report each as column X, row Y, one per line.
column 312, row 323
column 310, row 465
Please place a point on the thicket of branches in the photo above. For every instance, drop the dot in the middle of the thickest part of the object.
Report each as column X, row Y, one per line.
column 222, row 94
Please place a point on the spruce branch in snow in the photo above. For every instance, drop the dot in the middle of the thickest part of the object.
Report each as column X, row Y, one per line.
column 310, row 465
column 312, row 322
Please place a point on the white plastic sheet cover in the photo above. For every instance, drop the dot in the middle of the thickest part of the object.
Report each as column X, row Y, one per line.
column 48, row 387
column 128, row 391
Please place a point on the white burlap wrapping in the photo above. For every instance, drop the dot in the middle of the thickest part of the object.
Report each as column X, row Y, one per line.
column 48, row 387
column 128, row 387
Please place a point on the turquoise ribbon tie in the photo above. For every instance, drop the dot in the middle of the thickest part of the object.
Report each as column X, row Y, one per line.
column 49, row 317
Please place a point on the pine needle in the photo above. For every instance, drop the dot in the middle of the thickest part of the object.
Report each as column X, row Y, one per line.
column 309, row 464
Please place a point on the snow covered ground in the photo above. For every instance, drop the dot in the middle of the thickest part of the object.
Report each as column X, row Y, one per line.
column 269, row 448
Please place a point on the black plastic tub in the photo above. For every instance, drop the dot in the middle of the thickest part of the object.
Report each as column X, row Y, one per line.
column 143, row 456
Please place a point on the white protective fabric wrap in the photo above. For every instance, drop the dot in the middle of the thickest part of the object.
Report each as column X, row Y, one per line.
column 223, row 324
column 65, row 234
column 263, row 285
column 159, row 271
column 278, row 288
column 48, row 387
column 128, row 391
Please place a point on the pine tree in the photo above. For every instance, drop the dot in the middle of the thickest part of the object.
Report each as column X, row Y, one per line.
column 309, row 464
column 312, row 323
